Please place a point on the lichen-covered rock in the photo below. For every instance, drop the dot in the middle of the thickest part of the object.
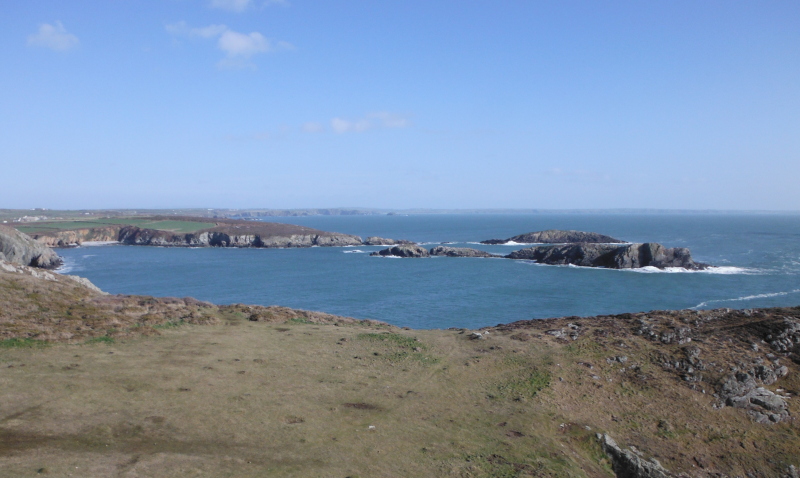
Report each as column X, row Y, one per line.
column 628, row 464
column 20, row 248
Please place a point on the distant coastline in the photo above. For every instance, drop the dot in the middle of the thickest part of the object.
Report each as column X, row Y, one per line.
column 34, row 215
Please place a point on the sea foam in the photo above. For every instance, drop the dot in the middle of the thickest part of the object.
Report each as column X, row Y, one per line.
column 747, row 297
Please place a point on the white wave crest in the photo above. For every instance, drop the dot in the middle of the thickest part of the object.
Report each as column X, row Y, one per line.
column 355, row 251
column 656, row 270
column 747, row 297
column 98, row 243
column 725, row 270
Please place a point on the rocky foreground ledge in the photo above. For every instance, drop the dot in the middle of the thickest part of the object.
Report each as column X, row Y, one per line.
column 684, row 393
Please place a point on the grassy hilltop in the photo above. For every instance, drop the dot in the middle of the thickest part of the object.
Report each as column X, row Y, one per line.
column 100, row 385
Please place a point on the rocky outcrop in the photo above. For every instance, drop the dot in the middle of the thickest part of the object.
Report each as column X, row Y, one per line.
column 556, row 236
column 19, row 248
column 231, row 238
column 382, row 241
column 37, row 273
column 628, row 256
column 405, row 250
column 459, row 252
column 627, row 464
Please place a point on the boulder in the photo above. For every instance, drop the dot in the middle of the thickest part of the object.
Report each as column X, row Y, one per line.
column 628, row 256
column 19, row 248
column 556, row 236
column 459, row 252
column 626, row 463
column 404, row 250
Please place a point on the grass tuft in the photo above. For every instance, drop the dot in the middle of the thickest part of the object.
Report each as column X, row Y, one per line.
column 394, row 339
column 101, row 340
column 526, row 386
column 21, row 343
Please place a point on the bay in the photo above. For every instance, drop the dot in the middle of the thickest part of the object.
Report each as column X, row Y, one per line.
column 758, row 257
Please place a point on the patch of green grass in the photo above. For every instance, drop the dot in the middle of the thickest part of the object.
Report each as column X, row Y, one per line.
column 299, row 320
column 21, row 343
column 394, row 339
column 585, row 348
column 101, row 340
column 170, row 325
column 165, row 225
column 162, row 225
column 494, row 465
column 524, row 387
column 399, row 347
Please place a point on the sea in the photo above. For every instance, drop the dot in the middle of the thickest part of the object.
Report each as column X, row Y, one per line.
column 756, row 259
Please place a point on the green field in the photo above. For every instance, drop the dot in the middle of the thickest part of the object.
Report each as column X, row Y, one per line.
column 145, row 223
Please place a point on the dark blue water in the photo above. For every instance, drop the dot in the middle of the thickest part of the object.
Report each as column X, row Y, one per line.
column 758, row 255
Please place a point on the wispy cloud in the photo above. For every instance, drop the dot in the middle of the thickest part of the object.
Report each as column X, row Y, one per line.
column 238, row 47
column 182, row 29
column 231, row 5
column 240, row 6
column 381, row 119
column 313, row 127
column 372, row 121
column 54, row 37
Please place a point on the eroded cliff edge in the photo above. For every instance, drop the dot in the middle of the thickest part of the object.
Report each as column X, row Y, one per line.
column 19, row 248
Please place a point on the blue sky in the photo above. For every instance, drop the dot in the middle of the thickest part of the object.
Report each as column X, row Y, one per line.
column 439, row 104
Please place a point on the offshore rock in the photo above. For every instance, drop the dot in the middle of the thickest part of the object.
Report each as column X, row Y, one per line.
column 628, row 256
column 382, row 241
column 404, row 250
column 556, row 236
column 19, row 248
column 459, row 252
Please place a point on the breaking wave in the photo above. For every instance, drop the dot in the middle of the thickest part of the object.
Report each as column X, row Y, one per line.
column 746, row 298
column 724, row 270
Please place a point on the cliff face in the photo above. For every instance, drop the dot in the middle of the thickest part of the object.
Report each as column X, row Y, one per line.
column 19, row 248
column 629, row 256
column 77, row 236
column 232, row 238
column 555, row 236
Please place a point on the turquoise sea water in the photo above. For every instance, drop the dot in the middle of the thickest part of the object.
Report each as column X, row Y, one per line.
column 758, row 255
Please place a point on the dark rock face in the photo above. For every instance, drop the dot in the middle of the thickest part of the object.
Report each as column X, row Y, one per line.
column 629, row 256
column 459, row 252
column 382, row 241
column 405, row 250
column 555, row 236
column 21, row 249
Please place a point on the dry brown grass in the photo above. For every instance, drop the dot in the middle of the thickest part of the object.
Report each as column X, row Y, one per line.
column 275, row 392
